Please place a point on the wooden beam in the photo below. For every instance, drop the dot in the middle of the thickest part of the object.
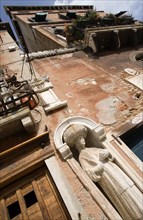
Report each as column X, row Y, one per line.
column 22, row 205
column 53, row 188
column 23, row 144
column 40, row 201
column 3, row 210
column 20, row 183
column 24, row 165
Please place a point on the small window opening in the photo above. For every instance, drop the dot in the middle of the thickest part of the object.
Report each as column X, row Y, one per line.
column 14, row 209
column 30, row 199
column 134, row 140
column 139, row 57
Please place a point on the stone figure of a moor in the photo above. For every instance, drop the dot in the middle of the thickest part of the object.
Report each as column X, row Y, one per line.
column 100, row 166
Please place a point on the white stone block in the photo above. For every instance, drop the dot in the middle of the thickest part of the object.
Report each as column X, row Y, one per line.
column 28, row 124
column 99, row 132
column 11, row 48
column 65, row 151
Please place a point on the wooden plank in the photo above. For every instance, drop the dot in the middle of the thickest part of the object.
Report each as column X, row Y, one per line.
column 44, row 187
column 27, row 189
column 23, row 165
column 62, row 217
column 24, row 144
column 33, row 147
column 55, row 194
column 60, row 203
column 40, row 201
column 49, row 196
column 46, row 192
column 41, row 180
column 22, row 205
column 37, row 216
column 49, row 200
column 56, row 211
column 18, row 217
column 6, row 191
column 3, row 210
column 0, row 216
column 34, row 208
column 11, row 199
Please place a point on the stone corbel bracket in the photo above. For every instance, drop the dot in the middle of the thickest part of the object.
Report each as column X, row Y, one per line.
column 96, row 129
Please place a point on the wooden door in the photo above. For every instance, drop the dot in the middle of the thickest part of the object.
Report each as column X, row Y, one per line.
column 33, row 197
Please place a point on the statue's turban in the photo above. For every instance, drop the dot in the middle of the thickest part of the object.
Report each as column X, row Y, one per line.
column 73, row 132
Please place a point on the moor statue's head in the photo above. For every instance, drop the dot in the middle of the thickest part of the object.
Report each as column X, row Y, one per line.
column 75, row 135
